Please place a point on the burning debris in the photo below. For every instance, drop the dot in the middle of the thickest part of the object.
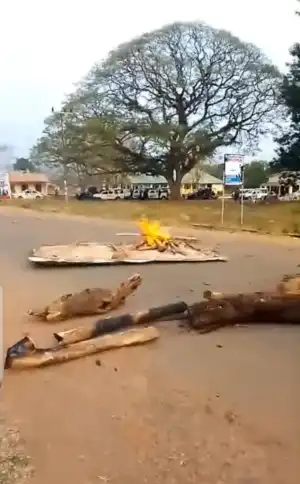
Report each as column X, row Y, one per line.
column 153, row 237
column 153, row 244
column 215, row 311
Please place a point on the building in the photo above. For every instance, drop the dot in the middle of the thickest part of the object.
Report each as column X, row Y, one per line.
column 191, row 182
column 147, row 181
column 197, row 178
column 275, row 185
column 20, row 181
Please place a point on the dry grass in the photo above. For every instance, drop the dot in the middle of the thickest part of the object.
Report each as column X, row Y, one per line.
column 276, row 218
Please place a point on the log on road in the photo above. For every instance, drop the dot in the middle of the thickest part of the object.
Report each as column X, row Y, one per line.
column 38, row 357
column 258, row 308
column 108, row 325
column 87, row 302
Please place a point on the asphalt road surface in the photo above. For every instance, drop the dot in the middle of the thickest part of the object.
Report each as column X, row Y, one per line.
column 219, row 408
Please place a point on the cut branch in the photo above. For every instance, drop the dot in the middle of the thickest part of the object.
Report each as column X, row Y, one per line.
column 87, row 302
column 38, row 357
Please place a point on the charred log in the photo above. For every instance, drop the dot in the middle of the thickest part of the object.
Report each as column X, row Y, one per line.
column 108, row 325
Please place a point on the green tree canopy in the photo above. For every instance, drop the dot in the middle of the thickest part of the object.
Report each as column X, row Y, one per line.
column 288, row 153
column 256, row 173
column 168, row 99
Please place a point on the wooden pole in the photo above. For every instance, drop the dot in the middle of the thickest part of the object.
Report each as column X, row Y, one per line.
column 107, row 325
column 181, row 238
column 40, row 358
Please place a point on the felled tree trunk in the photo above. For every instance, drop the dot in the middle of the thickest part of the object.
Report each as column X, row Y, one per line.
column 35, row 358
column 226, row 310
column 108, row 325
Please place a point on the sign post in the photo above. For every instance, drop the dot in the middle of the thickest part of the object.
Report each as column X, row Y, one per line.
column 233, row 175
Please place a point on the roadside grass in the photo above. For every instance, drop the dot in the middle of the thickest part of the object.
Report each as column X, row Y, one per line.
column 275, row 218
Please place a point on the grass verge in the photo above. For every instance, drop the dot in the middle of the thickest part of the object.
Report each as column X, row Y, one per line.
column 277, row 218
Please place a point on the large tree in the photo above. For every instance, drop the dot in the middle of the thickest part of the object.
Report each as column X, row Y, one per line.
column 172, row 97
column 288, row 153
column 70, row 144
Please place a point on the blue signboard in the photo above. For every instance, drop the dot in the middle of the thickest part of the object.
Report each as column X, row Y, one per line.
column 233, row 170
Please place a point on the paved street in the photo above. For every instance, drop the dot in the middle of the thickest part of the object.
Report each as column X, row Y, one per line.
column 219, row 408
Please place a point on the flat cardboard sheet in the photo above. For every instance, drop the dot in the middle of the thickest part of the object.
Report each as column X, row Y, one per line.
column 89, row 253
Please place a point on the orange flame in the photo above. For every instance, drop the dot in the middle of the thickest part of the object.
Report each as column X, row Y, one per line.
column 153, row 234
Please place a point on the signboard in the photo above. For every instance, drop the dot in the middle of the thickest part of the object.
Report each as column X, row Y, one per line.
column 5, row 190
column 233, row 170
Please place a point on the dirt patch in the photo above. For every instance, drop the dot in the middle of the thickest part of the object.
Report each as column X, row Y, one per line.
column 279, row 218
column 15, row 466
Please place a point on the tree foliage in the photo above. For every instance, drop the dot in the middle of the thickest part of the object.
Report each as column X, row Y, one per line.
column 288, row 153
column 168, row 99
column 256, row 173
column 24, row 164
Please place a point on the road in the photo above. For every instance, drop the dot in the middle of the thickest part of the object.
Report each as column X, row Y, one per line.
column 218, row 408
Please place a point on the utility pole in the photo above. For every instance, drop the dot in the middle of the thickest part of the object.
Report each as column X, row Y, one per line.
column 62, row 114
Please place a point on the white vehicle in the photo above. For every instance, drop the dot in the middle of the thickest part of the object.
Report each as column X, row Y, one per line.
column 158, row 195
column 254, row 193
column 110, row 194
column 29, row 195
column 136, row 194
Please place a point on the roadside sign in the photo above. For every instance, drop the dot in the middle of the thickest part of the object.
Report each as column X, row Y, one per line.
column 233, row 175
column 233, row 170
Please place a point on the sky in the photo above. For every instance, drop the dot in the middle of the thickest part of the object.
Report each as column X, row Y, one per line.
column 47, row 46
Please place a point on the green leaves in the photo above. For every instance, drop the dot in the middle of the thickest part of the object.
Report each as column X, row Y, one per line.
column 288, row 153
column 166, row 100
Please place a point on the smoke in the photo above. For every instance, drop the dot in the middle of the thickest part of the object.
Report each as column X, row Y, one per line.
column 6, row 157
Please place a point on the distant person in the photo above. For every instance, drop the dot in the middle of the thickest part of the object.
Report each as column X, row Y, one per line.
column 236, row 195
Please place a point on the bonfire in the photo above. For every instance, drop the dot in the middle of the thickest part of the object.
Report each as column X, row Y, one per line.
column 153, row 237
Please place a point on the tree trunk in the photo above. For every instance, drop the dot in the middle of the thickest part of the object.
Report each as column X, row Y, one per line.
column 175, row 187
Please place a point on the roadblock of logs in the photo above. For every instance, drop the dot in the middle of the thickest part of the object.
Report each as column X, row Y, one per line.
column 215, row 311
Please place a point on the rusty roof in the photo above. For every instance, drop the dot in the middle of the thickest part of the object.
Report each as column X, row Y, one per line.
column 21, row 177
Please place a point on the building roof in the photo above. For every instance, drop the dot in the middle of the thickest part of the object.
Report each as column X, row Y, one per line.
column 147, row 180
column 22, row 177
column 201, row 177
column 194, row 176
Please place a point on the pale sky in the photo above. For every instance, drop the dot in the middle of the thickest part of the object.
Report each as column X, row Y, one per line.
column 46, row 46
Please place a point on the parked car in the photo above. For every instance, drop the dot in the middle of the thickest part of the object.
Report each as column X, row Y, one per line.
column 136, row 194
column 85, row 195
column 157, row 194
column 110, row 194
column 253, row 194
column 29, row 195
column 203, row 194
